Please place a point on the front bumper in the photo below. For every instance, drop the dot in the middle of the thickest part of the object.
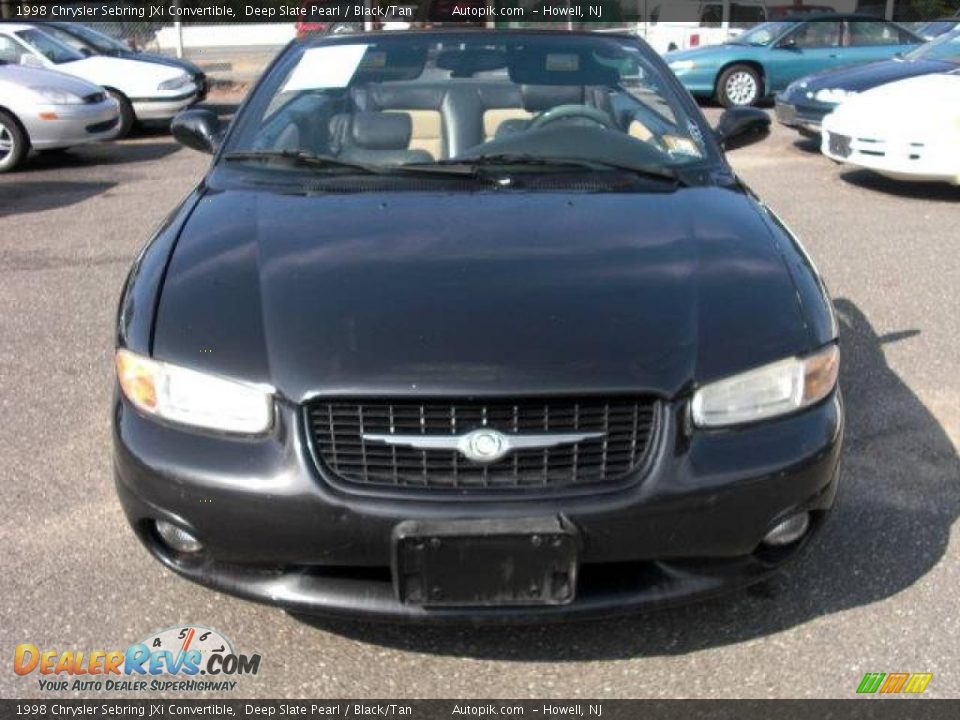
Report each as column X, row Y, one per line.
column 74, row 124
column 203, row 86
column 163, row 107
column 699, row 81
column 276, row 531
column 895, row 154
column 805, row 118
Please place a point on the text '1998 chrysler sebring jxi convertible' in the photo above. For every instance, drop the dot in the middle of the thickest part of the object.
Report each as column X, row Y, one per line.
column 474, row 326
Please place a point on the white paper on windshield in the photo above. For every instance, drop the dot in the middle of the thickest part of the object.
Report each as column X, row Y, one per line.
column 326, row 67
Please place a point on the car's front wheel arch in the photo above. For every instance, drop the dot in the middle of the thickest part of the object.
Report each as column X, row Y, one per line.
column 20, row 140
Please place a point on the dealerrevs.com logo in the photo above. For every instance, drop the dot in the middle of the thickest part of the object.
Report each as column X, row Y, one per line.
column 192, row 658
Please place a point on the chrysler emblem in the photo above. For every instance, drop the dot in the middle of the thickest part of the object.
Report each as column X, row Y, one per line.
column 484, row 445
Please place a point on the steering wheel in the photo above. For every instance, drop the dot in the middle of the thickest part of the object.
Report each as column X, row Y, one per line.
column 568, row 112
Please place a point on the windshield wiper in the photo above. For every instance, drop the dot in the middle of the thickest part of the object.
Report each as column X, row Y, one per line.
column 322, row 162
column 471, row 164
column 460, row 167
column 303, row 159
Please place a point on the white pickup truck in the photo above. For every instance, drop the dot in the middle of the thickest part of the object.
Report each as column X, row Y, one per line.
column 683, row 24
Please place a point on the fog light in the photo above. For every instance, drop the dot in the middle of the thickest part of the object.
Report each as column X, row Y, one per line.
column 178, row 538
column 788, row 531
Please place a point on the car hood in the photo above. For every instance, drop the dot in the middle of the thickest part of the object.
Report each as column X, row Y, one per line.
column 120, row 73
column 25, row 76
column 158, row 59
column 863, row 77
column 917, row 104
column 477, row 293
column 709, row 53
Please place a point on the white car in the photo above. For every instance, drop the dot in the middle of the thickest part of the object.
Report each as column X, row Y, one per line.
column 47, row 110
column 908, row 130
column 144, row 90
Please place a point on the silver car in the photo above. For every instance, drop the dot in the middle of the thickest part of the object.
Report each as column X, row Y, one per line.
column 45, row 110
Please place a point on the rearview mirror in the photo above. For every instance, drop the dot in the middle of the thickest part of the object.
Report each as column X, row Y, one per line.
column 198, row 129
column 741, row 126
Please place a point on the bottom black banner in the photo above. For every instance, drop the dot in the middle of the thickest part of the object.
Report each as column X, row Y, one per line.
column 435, row 709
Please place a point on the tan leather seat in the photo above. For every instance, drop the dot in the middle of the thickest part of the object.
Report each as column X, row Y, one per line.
column 375, row 137
column 426, row 130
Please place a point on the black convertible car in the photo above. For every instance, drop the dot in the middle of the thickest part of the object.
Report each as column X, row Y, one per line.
column 805, row 103
column 474, row 325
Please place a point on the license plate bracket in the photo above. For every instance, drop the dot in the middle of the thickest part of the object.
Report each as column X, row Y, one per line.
column 486, row 563
column 840, row 145
column 786, row 114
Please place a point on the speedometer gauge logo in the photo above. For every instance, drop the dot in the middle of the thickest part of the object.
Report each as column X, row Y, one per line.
column 190, row 637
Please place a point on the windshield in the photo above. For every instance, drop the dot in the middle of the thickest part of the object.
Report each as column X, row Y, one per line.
column 96, row 40
column 51, row 48
column 764, row 34
column 946, row 47
column 432, row 99
column 934, row 28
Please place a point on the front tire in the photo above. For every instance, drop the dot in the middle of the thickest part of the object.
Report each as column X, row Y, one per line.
column 14, row 143
column 739, row 86
column 127, row 117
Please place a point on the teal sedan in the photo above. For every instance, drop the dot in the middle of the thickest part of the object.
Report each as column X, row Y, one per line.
column 764, row 60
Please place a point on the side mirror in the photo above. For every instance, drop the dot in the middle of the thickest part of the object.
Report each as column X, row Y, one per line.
column 741, row 126
column 32, row 61
column 198, row 129
column 85, row 51
column 789, row 43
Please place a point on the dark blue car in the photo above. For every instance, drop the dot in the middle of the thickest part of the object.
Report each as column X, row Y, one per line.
column 805, row 103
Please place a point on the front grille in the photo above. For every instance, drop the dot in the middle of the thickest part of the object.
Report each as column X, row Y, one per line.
column 627, row 425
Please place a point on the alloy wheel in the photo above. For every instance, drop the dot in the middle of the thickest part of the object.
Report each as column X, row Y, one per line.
column 6, row 142
column 741, row 88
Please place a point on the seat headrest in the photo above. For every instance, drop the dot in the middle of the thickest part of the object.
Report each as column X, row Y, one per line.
column 381, row 131
column 537, row 98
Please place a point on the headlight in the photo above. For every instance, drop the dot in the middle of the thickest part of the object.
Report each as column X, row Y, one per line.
column 193, row 398
column 765, row 392
column 174, row 83
column 795, row 87
column 56, row 96
column 832, row 95
column 682, row 65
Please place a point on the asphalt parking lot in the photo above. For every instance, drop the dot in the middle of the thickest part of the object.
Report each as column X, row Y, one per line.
column 876, row 592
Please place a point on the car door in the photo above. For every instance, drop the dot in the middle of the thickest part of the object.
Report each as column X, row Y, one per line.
column 867, row 40
column 808, row 48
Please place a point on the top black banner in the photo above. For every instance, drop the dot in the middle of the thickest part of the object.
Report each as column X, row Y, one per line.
column 393, row 14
